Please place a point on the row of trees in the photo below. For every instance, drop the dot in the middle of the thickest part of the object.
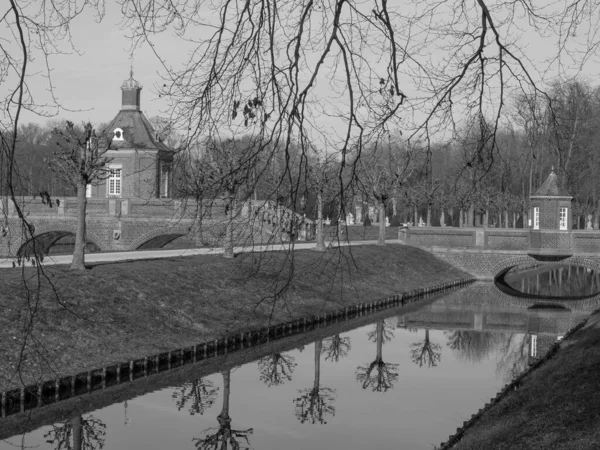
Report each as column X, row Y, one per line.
column 483, row 178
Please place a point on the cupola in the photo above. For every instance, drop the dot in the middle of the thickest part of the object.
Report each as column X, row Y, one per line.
column 130, row 99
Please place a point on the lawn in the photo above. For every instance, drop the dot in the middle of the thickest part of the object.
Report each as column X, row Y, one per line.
column 57, row 322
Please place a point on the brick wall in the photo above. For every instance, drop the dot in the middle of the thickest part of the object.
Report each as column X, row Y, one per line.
column 442, row 236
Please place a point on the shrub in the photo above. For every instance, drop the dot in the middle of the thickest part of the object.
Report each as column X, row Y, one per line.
column 367, row 222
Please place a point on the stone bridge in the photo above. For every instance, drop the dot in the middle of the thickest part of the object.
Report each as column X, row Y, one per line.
column 487, row 252
column 133, row 224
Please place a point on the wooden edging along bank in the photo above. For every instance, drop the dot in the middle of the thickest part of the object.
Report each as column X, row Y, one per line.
column 508, row 388
column 34, row 396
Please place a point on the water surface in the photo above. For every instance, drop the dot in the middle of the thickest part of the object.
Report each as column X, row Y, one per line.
column 405, row 381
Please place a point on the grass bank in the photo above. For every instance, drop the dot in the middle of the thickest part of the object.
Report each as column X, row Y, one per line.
column 60, row 322
column 557, row 405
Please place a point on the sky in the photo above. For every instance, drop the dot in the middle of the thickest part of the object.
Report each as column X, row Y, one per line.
column 87, row 81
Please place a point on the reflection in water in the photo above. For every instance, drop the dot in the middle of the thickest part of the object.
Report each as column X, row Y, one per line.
column 474, row 346
column 426, row 352
column 198, row 395
column 512, row 350
column 555, row 281
column 77, row 434
column 379, row 375
column 491, row 337
column 276, row 369
column 336, row 348
column 316, row 403
column 224, row 437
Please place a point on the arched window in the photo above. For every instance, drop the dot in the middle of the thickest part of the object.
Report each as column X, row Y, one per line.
column 118, row 135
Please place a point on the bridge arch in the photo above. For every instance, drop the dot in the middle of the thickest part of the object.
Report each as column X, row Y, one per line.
column 42, row 242
column 506, row 262
column 158, row 238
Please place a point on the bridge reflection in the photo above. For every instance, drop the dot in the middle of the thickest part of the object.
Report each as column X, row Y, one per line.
column 481, row 310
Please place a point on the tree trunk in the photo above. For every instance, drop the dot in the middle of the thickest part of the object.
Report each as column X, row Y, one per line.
column 76, row 425
column 428, row 214
column 317, row 380
column 416, row 218
column 224, row 416
column 198, row 238
column 320, row 235
column 379, row 336
column 506, row 219
column 228, row 244
column 78, row 262
column 460, row 218
column 381, row 240
column 442, row 218
column 471, row 216
column 514, row 219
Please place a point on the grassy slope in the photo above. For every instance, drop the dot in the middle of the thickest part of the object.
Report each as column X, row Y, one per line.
column 557, row 407
column 121, row 311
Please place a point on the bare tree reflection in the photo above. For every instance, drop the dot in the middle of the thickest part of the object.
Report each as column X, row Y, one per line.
column 199, row 394
column 336, row 348
column 379, row 375
column 474, row 346
column 426, row 352
column 316, row 403
column 276, row 369
column 77, row 434
column 224, row 437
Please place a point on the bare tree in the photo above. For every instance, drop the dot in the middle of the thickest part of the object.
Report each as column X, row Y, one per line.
column 81, row 161
column 225, row 436
column 426, row 352
column 378, row 375
column 316, row 403
column 276, row 369
column 78, row 433
column 336, row 348
column 200, row 394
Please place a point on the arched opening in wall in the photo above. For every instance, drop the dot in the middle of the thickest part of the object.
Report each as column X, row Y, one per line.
column 54, row 243
column 549, row 281
column 167, row 241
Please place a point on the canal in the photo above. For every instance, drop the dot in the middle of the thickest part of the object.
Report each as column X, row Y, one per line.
column 400, row 378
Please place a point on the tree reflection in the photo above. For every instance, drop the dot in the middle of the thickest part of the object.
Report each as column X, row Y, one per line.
column 473, row 346
column 514, row 356
column 77, row 434
column 199, row 394
column 276, row 369
column 224, row 437
column 336, row 348
column 426, row 352
column 316, row 403
column 379, row 375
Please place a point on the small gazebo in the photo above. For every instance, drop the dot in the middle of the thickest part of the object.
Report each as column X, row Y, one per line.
column 550, row 233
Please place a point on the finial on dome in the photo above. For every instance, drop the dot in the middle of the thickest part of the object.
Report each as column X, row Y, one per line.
column 131, row 83
column 552, row 170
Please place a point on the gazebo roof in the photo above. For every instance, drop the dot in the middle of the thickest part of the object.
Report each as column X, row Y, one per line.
column 551, row 188
column 138, row 133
